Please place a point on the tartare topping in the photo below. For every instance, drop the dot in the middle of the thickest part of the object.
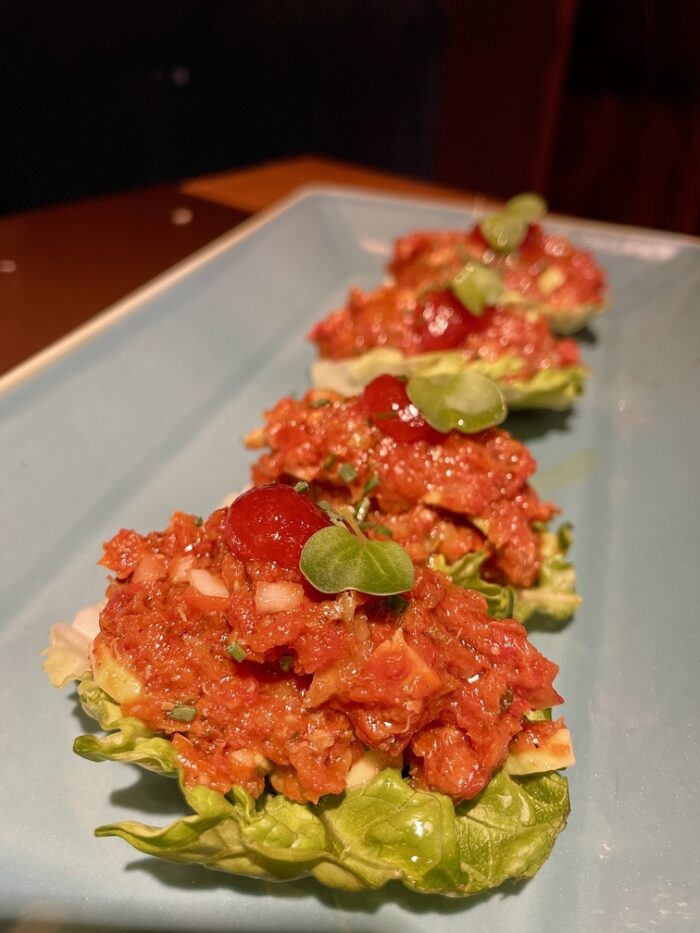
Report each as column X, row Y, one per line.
column 416, row 321
column 272, row 522
column 296, row 696
column 458, row 494
column 545, row 269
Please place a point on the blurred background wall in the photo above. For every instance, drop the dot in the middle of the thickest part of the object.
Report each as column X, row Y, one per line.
column 595, row 103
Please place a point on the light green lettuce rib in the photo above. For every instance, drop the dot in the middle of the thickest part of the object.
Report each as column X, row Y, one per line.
column 554, row 389
column 554, row 599
column 384, row 830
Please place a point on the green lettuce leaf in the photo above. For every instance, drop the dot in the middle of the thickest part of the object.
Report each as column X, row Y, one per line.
column 551, row 602
column 554, row 389
column 132, row 741
column 466, row 572
column 383, row 830
column 554, row 600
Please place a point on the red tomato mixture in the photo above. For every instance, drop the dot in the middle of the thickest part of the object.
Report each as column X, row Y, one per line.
column 421, row 259
column 397, row 316
column 426, row 488
column 282, row 684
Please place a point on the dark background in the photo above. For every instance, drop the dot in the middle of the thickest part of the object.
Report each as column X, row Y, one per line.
column 595, row 103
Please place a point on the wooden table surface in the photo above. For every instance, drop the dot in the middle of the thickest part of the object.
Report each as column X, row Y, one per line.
column 62, row 265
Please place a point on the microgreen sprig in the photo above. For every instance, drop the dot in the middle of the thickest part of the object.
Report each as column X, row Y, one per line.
column 466, row 401
column 505, row 230
column 342, row 558
column 477, row 287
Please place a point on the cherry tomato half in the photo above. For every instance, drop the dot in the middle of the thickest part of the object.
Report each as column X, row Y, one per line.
column 272, row 523
column 387, row 405
column 444, row 322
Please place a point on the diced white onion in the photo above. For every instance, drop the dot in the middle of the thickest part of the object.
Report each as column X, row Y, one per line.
column 150, row 568
column 207, row 583
column 180, row 568
column 277, row 597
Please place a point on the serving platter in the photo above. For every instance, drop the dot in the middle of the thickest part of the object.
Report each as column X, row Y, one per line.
column 143, row 411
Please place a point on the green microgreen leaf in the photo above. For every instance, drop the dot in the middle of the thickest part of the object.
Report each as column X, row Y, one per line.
column 301, row 486
column 335, row 559
column 320, row 402
column 477, row 287
column 347, row 472
column 466, row 401
column 183, row 712
column 505, row 230
column 236, row 651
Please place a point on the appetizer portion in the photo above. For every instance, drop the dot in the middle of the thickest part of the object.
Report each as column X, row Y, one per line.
column 400, row 330
column 486, row 300
column 539, row 270
column 358, row 735
column 458, row 502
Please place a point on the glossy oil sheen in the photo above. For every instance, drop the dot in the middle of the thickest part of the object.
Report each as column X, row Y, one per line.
column 148, row 416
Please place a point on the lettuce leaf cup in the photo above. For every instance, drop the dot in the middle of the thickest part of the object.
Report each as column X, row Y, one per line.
column 554, row 389
column 356, row 737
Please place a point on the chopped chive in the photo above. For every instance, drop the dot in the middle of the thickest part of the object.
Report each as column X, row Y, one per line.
column 236, row 652
column 347, row 472
column 320, row 402
column 294, row 736
column 397, row 603
column 362, row 508
column 329, row 462
column 381, row 530
column 371, row 484
column 183, row 712
column 301, row 486
column 286, row 662
column 198, row 520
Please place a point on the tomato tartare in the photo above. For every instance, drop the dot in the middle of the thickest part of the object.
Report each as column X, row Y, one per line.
column 434, row 493
column 435, row 320
column 257, row 677
column 546, row 271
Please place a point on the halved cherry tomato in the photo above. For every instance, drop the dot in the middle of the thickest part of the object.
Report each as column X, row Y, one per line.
column 272, row 522
column 387, row 405
column 444, row 322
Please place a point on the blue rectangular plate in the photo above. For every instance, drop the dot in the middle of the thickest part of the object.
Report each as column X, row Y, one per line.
column 143, row 412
